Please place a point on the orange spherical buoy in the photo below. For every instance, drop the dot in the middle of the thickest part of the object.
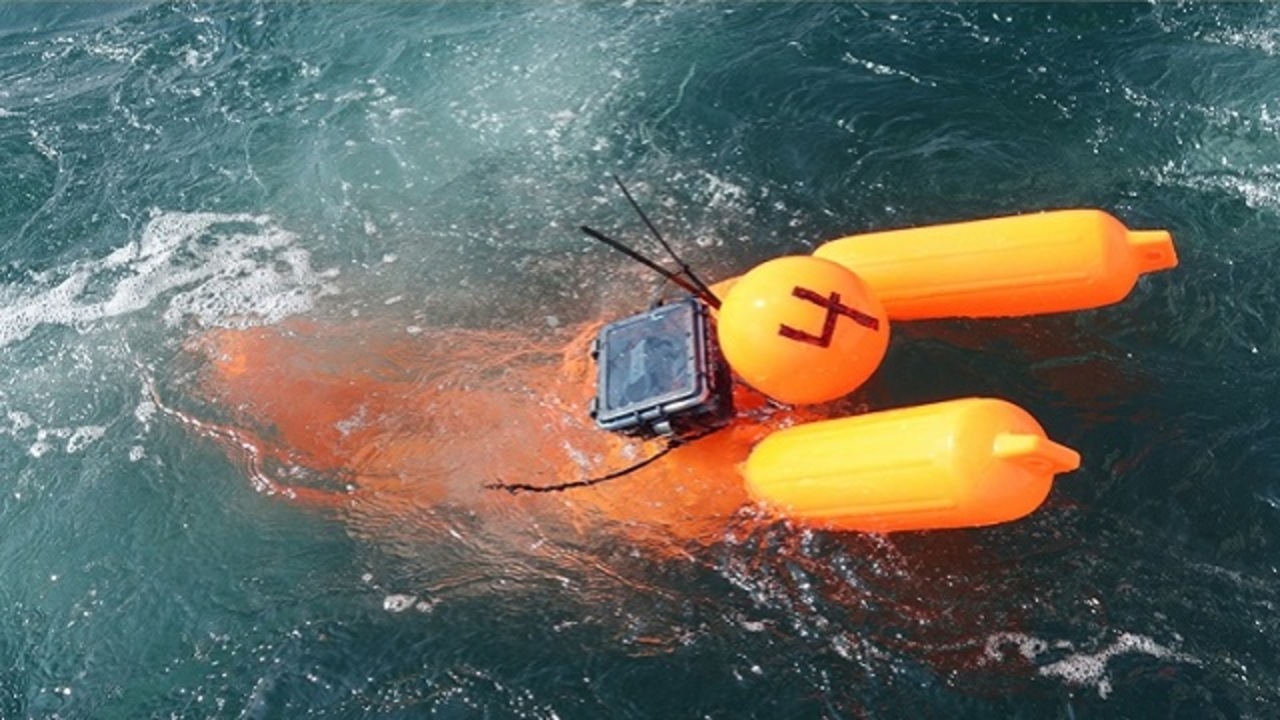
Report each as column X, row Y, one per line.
column 802, row 329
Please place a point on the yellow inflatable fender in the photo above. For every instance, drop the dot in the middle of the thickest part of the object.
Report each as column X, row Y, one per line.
column 961, row 463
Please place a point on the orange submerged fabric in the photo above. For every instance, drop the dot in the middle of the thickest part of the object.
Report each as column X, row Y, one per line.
column 385, row 423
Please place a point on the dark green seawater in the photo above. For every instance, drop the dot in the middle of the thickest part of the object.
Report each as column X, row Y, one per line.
column 170, row 167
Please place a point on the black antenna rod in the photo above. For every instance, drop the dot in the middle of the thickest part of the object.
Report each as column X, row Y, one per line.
column 702, row 291
column 673, row 277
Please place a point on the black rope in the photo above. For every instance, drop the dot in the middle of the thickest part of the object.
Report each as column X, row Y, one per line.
column 673, row 277
column 514, row 488
column 693, row 285
column 703, row 291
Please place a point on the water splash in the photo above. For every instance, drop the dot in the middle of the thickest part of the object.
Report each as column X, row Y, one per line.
column 216, row 269
column 1082, row 669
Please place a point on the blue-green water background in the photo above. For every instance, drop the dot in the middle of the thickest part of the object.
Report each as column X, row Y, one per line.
column 170, row 167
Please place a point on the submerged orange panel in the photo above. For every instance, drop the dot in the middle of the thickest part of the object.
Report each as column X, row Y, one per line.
column 961, row 463
column 1022, row 265
column 384, row 427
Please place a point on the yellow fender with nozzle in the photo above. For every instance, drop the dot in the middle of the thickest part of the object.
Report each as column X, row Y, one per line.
column 960, row 463
column 1001, row 267
column 1046, row 262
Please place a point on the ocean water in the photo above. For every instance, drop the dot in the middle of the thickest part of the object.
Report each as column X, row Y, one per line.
column 171, row 168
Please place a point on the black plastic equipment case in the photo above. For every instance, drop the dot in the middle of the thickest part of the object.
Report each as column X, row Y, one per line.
column 660, row 373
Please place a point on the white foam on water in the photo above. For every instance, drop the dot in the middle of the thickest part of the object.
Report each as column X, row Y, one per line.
column 41, row 441
column 1082, row 669
column 880, row 69
column 1263, row 39
column 217, row 269
column 1256, row 187
column 70, row 439
column 81, row 437
column 398, row 602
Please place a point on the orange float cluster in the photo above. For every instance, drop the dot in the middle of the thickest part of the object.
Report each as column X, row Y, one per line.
column 811, row 329
column 412, row 423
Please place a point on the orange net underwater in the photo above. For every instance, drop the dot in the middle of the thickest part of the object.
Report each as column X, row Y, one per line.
column 380, row 424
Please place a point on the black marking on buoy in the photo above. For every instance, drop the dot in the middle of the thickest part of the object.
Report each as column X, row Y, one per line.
column 835, row 309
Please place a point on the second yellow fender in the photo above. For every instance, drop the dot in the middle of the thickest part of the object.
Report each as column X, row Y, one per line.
column 961, row 463
column 1001, row 267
